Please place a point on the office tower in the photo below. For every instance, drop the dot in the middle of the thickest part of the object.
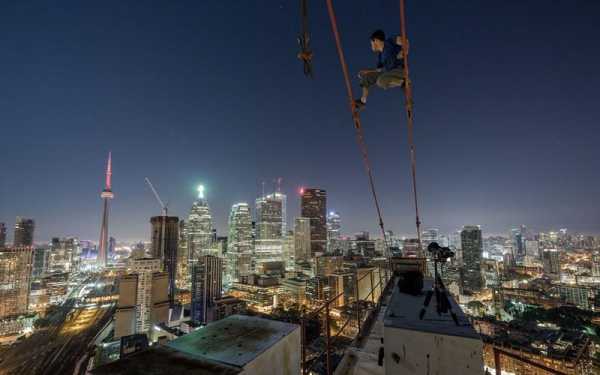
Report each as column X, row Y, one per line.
column 314, row 206
column 106, row 196
column 239, row 242
column 270, row 216
column 302, row 239
column 62, row 254
column 165, row 234
column 288, row 252
column 2, row 235
column 143, row 297
column 207, row 283
column 532, row 248
column 551, row 262
column 23, row 232
column 270, row 228
column 183, row 276
column 596, row 264
column 518, row 236
column 15, row 280
column 199, row 227
column 429, row 236
column 41, row 259
column 333, row 231
column 472, row 248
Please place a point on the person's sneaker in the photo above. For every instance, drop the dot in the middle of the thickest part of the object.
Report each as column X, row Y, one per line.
column 358, row 105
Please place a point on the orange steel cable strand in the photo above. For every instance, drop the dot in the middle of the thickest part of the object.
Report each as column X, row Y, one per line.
column 410, row 125
column 357, row 124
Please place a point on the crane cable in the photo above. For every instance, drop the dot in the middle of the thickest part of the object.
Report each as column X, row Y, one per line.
column 356, row 118
column 408, row 101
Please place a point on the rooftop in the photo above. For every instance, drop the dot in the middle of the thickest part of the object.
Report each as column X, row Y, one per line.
column 164, row 360
column 403, row 312
column 222, row 347
column 236, row 340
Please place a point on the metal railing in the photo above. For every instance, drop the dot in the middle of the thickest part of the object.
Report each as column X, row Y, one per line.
column 362, row 320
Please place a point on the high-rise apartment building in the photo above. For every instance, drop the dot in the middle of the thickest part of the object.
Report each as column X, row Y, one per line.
column 15, row 280
column 143, row 297
column 313, row 205
column 23, row 232
column 207, row 284
column 165, row 236
column 472, row 249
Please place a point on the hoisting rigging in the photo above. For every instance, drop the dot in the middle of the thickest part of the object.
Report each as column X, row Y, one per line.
column 407, row 86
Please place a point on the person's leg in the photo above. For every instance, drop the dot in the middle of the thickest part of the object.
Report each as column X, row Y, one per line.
column 367, row 80
column 390, row 79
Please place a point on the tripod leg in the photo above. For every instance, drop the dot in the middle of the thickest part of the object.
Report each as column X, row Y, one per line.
column 425, row 304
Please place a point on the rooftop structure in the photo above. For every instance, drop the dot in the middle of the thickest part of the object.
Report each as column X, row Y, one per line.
column 434, row 344
column 235, row 345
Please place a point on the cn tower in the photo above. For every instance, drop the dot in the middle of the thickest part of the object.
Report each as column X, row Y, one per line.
column 106, row 195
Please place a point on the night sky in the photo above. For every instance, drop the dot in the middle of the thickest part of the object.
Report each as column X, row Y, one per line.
column 188, row 92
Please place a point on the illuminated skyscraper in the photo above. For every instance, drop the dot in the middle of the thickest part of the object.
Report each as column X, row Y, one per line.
column 165, row 236
column 551, row 262
column 239, row 242
column 15, row 278
column 199, row 227
column 182, row 280
column 472, row 249
column 106, row 196
column 270, row 228
column 302, row 239
column 23, row 232
column 518, row 237
column 314, row 206
column 333, row 231
column 207, row 283
column 2, row 235
column 270, row 216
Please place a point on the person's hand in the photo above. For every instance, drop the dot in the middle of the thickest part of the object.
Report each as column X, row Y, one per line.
column 399, row 42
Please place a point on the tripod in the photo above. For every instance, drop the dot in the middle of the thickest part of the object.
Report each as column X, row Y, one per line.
column 442, row 303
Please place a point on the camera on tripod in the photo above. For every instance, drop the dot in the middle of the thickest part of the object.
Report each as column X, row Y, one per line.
column 439, row 253
column 439, row 293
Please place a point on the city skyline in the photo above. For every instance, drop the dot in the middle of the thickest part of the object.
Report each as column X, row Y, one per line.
column 280, row 193
column 493, row 158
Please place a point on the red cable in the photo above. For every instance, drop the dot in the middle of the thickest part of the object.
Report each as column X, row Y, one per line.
column 356, row 119
column 409, row 113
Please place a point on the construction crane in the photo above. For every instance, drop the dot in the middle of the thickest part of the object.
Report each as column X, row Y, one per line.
column 164, row 210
